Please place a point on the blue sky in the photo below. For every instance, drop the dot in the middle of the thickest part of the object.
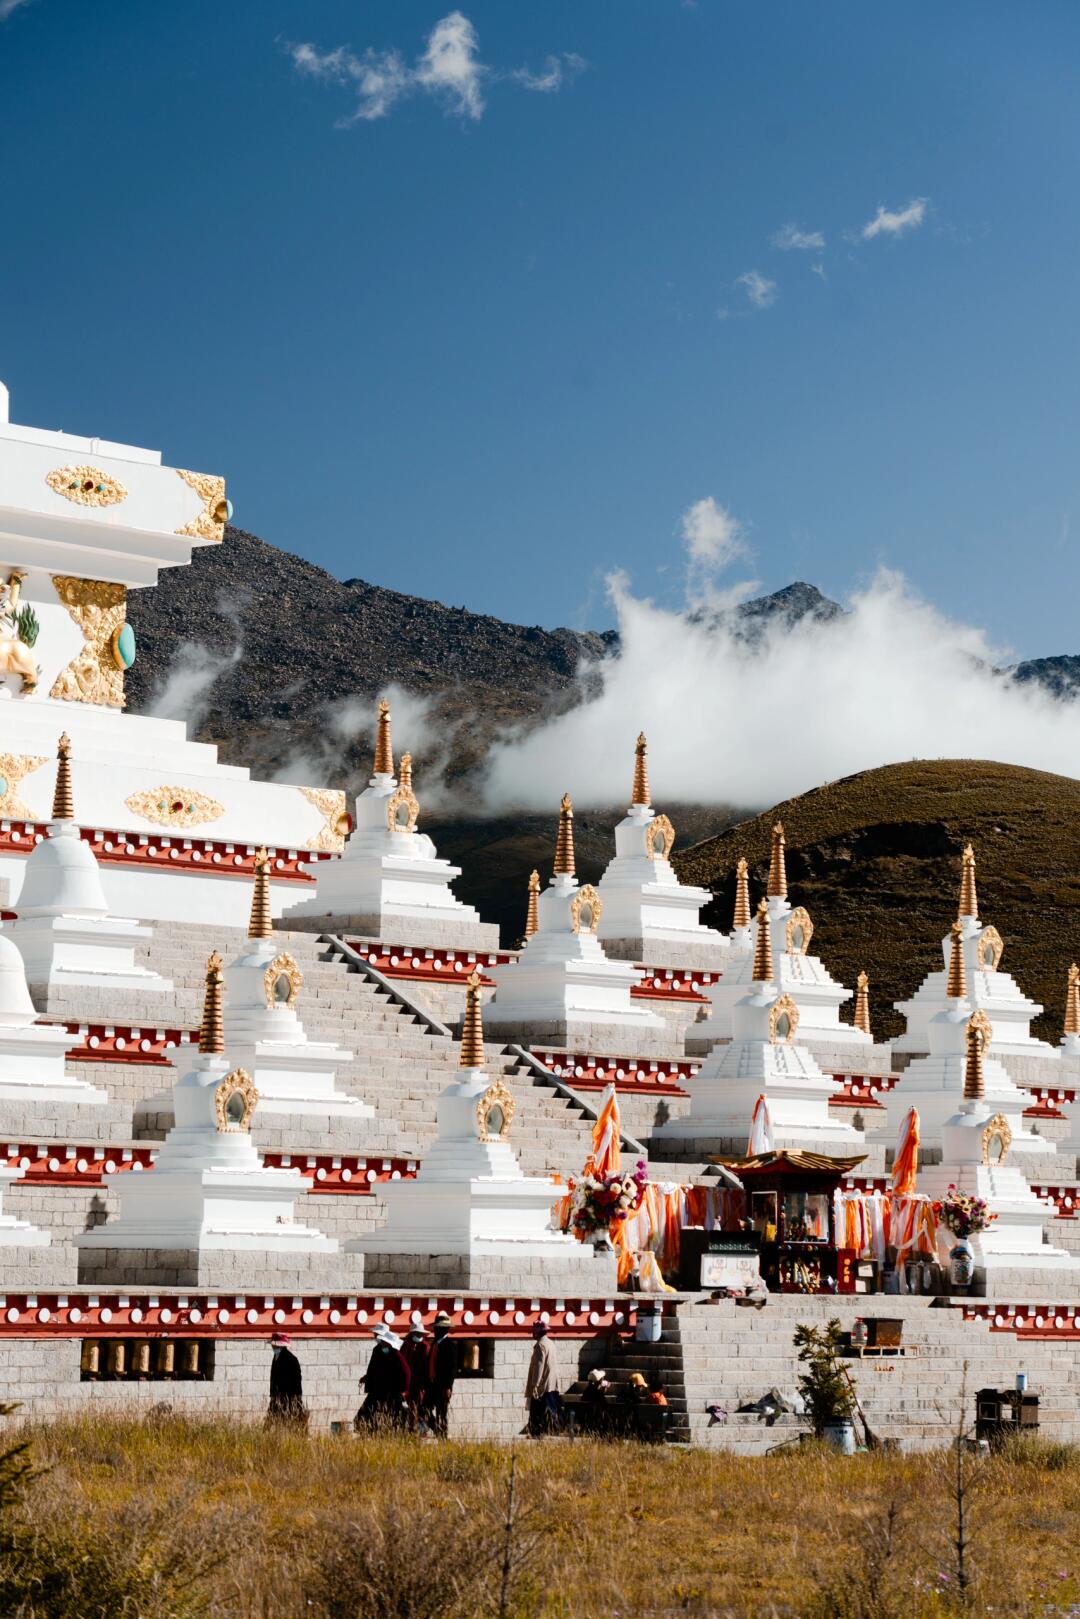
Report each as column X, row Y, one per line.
column 469, row 316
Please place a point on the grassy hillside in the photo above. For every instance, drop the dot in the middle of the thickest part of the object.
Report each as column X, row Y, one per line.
column 875, row 858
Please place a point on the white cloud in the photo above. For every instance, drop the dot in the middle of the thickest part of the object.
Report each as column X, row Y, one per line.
column 714, row 706
column 758, row 288
column 790, row 237
column 818, row 269
column 888, row 223
column 449, row 69
column 712, row 536
column 9, row 7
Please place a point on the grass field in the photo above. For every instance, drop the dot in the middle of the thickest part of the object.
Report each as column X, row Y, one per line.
column 875, row 858
column 177, row 1519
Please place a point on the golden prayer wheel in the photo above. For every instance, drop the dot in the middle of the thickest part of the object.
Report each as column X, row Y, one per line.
column 192, row 1358
column 90, row 1359
column 470, row 1359
column 117, row 1358
column 140, row 1360
column 165, row 1358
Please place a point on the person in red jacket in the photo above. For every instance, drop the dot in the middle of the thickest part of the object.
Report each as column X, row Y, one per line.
column 416, row 1353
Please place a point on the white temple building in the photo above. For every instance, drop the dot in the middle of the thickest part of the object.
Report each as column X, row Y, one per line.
column 648, row 914
column 842, row 1047
column 563, row 990
column 932, row 1083
column 763, row 1059
column 208, row 1213
column 1012, row 1255
column 63, row 929
column 471, row 1219
column 390, row 883
column 1028, row 1060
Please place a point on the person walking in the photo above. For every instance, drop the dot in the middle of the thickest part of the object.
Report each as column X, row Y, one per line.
column 539, row 1385
column 385, row 1383
column 442, row 1372
column 286, row 1384
column 416, row 1353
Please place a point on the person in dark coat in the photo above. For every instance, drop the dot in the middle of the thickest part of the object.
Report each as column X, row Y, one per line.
column 416, row 1353
column 442, row 1370
column 385, row 1384
column 286, row 1384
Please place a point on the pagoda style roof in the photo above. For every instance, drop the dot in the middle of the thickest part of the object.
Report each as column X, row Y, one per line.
column 816, row 1163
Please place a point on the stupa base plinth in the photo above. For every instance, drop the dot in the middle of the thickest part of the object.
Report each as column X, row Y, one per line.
column 500, row 1269
column 236, row 1271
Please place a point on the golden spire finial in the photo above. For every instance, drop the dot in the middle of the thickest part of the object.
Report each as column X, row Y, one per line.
column 956, row 984
column 741, row 918
column 1072, row 1001
column 969, row 905
column 261, row 925
column 532, row 915
column 763, row 963
column 212, row 1028
column 384, row 752
column 405, row 775
column 639, row 793
column 777, row 888
column 974, row 1083
column 564, row 843
column 862, row 1004
column 63, row 804
column 472, row 1028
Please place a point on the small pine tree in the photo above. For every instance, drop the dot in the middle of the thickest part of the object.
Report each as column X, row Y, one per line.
column 824, row 1385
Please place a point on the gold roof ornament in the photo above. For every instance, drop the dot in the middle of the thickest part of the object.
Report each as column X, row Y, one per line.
column 974, row 1046
column 261, row 925
column 742, row 915
column 405, row 775
column 956, row 983
column 639, row 793
column 472, row 1028
column 763, row 962
column 777, row 888
column 969, row 905
column 384, row 752
column 862, row 1004
column 63, row 804
column 532, row 914
column 1072, row 1001
column 564, row 843
column 212, row 1027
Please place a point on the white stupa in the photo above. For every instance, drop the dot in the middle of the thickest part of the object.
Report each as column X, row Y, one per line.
column 763, row 1059
column 989, row 990
column 390, row 884
column 933, row 1083
column 562, row 990
column 977, row 1158
column 27, row 1254
column 473, row 1218
column 649, row 915
column 264, row 1035
column 32, row 1054
column 63, row 930
column 846, row 1046
column 207, row 1212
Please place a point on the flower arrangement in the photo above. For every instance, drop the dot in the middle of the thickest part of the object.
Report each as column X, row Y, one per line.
column 963, row 1214
column 600, row 1202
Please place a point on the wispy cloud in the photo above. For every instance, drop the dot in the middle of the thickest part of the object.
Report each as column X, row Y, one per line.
column 449, row 69
column 758, row 288
column 9, row 7
column 888, row 222
column 712, row 536
column 789, row 238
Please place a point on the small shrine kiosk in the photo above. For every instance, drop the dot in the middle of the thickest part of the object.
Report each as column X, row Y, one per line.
column 790, row 1206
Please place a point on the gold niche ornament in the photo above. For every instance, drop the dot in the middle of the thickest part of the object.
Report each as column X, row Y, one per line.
column 495, row 1112
column 210, row 523
column 799, row 932
column 783, row 1020
column 175, row 806
column 989, row 950
column 13, row 767
column 981, row 1023
column 99, row 608
column 659, row 830
column 403, row 799
column 282, row 981
column 234, row 1102
column 586, row 899
column 996, row 1140
column 330, row 803
column 86, row 486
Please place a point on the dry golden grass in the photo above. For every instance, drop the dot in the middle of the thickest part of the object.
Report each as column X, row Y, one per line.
column 272, row 1524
